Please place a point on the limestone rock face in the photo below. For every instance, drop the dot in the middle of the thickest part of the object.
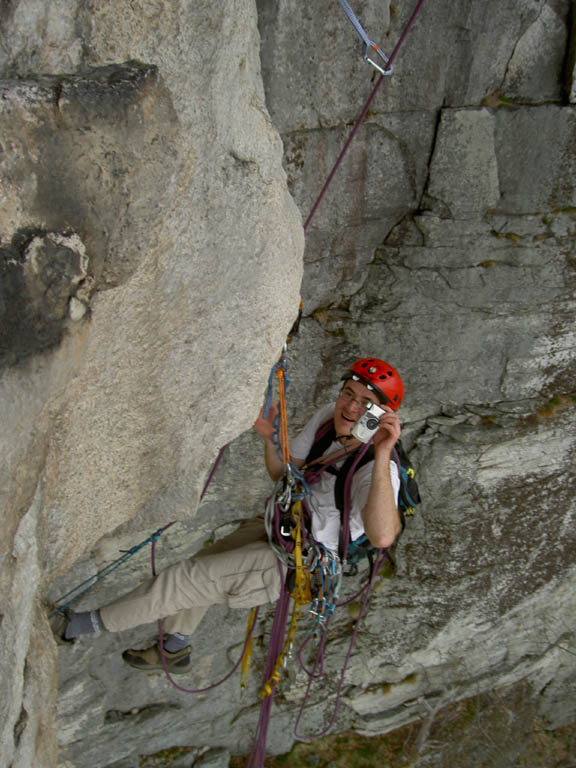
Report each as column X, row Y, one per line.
column 151, row 257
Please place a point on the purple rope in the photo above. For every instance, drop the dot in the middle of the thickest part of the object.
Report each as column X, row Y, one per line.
column 214, row 685
column 276, row 644
column 347, row 487
column 354, row 597
column 362, row 117
column 320, row 656
column 319, row 660
column 313, row 476
column 213, row 470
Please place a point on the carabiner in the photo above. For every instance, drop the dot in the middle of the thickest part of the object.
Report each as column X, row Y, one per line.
column 366, row 42
column 385, row 72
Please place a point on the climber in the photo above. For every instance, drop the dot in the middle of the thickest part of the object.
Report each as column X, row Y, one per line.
column 242, row 570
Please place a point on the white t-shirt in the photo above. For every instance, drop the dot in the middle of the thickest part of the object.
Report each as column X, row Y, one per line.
column 325, row 514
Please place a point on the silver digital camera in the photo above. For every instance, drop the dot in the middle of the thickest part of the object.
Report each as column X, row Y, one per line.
column 368, row 423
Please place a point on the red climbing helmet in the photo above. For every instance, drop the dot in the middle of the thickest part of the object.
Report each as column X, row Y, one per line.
column 379, row 376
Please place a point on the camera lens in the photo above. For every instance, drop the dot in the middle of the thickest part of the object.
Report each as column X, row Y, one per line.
column 372, row 423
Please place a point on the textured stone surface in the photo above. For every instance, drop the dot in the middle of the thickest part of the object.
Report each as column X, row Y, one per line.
column 445, row 244
column 456, row 55
column 150, row 255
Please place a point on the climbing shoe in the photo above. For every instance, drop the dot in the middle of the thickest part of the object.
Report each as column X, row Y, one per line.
column 177, row 663
column 58, row 620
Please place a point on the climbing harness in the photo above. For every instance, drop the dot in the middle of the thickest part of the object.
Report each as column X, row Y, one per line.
column 384, row 67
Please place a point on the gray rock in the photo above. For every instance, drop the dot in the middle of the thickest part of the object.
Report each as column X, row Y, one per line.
column 154, row 255
column 41, row 277
column 464, row 168
column 535, row 70
column 168, row 178
column 214, row 758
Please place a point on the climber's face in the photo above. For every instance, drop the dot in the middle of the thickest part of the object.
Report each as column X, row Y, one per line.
column 351, row 404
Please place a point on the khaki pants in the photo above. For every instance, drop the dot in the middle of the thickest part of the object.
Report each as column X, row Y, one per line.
column 240, row 571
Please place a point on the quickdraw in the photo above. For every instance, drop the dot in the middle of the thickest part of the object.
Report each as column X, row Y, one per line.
column 326, row 575
column 301, row 595
column 385, row 68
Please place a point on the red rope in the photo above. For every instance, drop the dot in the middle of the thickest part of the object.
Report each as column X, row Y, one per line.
column 362, row 117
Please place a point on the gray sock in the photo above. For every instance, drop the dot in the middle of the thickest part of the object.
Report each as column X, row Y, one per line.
column 84, row 623
column 176, row 642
